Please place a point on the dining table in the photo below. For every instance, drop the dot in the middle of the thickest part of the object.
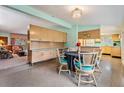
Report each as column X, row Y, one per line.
column 69, row 56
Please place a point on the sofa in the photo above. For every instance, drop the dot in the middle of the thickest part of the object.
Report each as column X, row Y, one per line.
column 5, row 54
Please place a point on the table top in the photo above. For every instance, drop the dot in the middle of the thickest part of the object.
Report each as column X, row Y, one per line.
column 74, row 53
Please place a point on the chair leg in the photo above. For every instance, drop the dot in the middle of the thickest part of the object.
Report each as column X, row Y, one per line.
column 99, row 68
column 94, row 79
column 76, row 72
column 60, row 68
column 79, row 79
column 69, row 72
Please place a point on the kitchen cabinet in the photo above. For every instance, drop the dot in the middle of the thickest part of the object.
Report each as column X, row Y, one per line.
column 42, row 43
column 41, row 55
column 59, row 36
column 44, row 35
column 116, row 52
column 50, row 35
column 64, row 37
column 115, row 37
column 106, row 49
column 55, row 37
column 37, row 33
column 91, row 34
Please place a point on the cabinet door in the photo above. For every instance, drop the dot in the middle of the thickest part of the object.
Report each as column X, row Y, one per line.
column 64, row 37
column 56, row 36
column 115, row 37
column 116, row 51
column 36, row 56
column 60, row 37
column 48, row 35
column 33, row 35
column 106, row 49
column 53, row 53
column 43, row 34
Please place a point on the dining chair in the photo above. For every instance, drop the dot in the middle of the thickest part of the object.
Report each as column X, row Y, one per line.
column 98, row 67
column 98, row 61
column 63, row 62
column 85, row 69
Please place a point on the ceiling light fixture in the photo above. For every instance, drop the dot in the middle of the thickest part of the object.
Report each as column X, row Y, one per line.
column 76, row 13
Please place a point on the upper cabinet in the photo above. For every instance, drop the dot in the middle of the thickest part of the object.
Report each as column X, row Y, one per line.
column 64, row 37
column 91, row 34
column 115, row 37
column 37, row 33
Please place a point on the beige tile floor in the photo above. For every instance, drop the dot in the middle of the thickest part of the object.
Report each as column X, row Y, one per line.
column 45, row 75
column 12, row 62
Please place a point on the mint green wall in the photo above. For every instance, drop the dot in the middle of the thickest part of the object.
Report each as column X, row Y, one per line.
column 6, row 35
column 72, row 36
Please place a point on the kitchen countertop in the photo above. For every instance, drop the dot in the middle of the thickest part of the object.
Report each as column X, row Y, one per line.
column 90, row 47
column 42, row 49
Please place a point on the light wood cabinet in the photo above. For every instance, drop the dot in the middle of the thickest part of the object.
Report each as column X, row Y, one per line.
column 91, row 34
column 54, row 36
column 42, row 43
column 116, row 51
column 115, row 37
column 43, row 34
column 50, row 34
column 42, row 55
column 64, row 37
column 106, row 49
column 61, row 36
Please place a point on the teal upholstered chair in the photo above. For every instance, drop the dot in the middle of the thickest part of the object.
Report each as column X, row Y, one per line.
column 85, row 69
column 62, row 61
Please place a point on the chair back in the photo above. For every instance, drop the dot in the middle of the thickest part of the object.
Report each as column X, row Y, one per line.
column 60, row 55
column 99, row 55
column 88, row 59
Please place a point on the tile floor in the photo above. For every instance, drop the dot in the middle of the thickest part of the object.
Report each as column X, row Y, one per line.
column 45, row 75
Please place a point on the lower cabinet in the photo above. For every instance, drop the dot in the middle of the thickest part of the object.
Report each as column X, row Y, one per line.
column 42, row 55
column 116, row 52
column 113, row 51
column 106, row 49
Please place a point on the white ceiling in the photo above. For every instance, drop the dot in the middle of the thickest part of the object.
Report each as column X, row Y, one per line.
column 92, row 14
column 16, row 22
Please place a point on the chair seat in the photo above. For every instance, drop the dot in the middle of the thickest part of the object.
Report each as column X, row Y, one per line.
column 63, row 61
column 84, row 68
column 87, row 68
